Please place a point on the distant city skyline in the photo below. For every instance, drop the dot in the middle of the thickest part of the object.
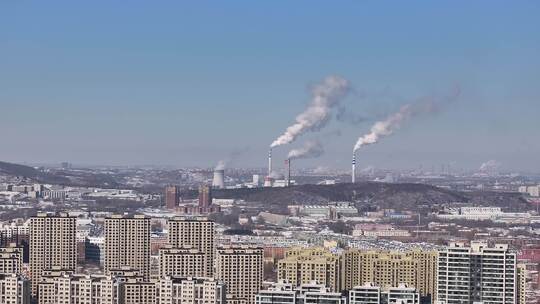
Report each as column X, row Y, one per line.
column 188, row 84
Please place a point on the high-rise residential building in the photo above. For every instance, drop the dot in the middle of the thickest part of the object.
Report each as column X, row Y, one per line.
column 416, row 268
column 127, row 244
column 14, row 289
column 58, row 286
column 303, row 266
column 371, row 294
column 205, row 196
column 194, row 233
column 136, row 290
column 240, row 267
column 171, row 197
column 286, row 293
column 11, row 259
column 182, row 262
column 52, row 244
column 521, row 283
column 476, row 274
column 174, row 290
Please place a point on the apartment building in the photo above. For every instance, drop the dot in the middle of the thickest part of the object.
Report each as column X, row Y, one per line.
column 304, row 266
column 182, row 262
column 476, row 273
column 127, row 244
column 14, row 289
column 240, row 267
column 11, row 260
column 194, row 233
column 52, row 244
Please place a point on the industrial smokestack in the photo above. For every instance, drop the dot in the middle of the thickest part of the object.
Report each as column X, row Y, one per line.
column 353, row 172
column 219, row 179
column 288, row 163
column 270, row 162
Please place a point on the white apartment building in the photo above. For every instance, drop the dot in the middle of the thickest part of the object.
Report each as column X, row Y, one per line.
column 476, row 273
column 371, row 294
column 284, row 292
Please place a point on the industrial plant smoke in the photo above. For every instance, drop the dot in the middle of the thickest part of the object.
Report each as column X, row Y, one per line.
column 231, row 158
column 221, row 165
column 385, row 127
column 326, row 96
column 311, row 148
column 393, row 122
column 490, row 166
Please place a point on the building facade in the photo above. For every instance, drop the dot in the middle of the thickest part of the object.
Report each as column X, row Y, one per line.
column 194, row 233
column 171, row 197
column 476, row 273
column 304, row 266
column 416, row 268
column 127, row 244
column 241, row 269
column 182, row 262
column 11, row 260
column 286, row 293
column 176, row 290
column 371, row 294
column 52, row 244
column 14, row 289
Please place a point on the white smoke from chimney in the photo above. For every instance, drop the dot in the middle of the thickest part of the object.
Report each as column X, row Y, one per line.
column 311, row 148
column 221, row 165
column 326, row 96
column 393, row 122
column 384, row 127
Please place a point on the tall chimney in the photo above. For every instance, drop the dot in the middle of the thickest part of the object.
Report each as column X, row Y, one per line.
column 353, row 173
column 288, row 161
column 270, row 162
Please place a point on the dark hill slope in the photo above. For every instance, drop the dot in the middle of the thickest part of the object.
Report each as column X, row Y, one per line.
column 30, row 173
column 397, row 196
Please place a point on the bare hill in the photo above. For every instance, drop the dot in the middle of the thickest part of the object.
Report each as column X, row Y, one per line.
column 397, row 196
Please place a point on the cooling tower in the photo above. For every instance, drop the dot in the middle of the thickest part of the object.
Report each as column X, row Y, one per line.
column 219, row 179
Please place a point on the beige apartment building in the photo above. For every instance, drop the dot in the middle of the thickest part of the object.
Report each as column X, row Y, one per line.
column 194, row 233
column 14, row 289
column 127, row 244
column 360, row 267
column 174, row 290
column 307, row 265
column 52, row 244
column 415, row 268
column 64, row 287
column 182, row 262
column 240, row 267
column 11, row 260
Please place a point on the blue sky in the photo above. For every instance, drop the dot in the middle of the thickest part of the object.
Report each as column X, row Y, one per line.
column 187, row 83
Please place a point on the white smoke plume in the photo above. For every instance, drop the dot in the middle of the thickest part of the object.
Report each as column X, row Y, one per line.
column 384, row 127
column 311, row 148
column 221, row 165
column 326, row 96
column 393, row 122
column 232, row 157
column 276, row 175
column 490, row 166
